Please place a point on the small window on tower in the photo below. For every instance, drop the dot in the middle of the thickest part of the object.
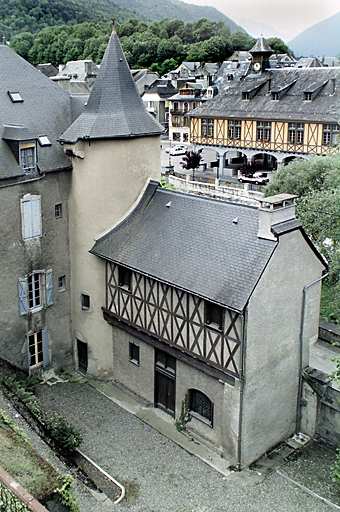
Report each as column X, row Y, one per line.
column 124, row 278
column 44, row 141
column 85, row 301
column 15, row 97
column 58, row 210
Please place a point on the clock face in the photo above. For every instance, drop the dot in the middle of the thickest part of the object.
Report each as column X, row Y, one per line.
column 257, row 66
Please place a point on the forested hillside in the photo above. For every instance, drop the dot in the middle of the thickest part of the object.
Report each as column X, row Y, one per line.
column 159, row 45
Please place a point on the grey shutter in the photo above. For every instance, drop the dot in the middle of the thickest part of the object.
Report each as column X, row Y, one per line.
column 49, row 287
column 23, row 295
column 46, row 354
column 27, row 355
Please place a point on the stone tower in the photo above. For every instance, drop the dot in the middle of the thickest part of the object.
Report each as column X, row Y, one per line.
column 115, row 149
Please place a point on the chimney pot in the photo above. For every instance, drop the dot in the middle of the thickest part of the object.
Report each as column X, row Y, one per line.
column 275, row 210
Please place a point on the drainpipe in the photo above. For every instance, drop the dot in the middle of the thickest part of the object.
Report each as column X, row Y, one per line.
column 240, row 421
column 301, row 335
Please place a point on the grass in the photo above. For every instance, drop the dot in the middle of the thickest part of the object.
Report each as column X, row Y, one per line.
column 330, row 303
column 23, row 463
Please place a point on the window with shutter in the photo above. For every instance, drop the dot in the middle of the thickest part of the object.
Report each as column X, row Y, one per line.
column 31, row 216
column 23, row 295
column 49, row 287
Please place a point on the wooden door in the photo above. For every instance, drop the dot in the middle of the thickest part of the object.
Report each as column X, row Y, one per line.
column 82, row 356
column 165, row 382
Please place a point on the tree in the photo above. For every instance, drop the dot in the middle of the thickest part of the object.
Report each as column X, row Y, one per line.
column 278, row 46
column 192, row 160
column 317, row 183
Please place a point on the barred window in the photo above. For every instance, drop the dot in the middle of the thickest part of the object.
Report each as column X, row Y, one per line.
column 202, row 406
column 263, row 131
column 330, row 134
column 296, row 133
column 207, row 128
column 234, row 130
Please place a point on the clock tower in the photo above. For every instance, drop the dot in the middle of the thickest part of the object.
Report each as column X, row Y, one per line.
column 260, row 53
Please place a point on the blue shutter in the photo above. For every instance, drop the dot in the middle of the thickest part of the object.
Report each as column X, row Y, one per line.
column 49, row 287
column 46, row 354
column 23, row 295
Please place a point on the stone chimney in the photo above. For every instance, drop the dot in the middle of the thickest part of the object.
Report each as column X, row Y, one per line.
column 275, row 210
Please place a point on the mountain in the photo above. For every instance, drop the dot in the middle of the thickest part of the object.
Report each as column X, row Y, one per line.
column 32, row 15
column 321, row 39
column 160, row 9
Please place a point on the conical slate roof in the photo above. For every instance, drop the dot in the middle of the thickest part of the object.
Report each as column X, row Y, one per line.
column 114, row 109
column 261, row 46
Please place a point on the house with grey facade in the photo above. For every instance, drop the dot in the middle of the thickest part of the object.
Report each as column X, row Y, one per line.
column 184, row 300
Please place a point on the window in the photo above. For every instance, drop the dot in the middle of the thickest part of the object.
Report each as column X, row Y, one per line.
column 207, row 128
column 201, row 406
column 186, row 106
column 296, row 133
column 263, row 131
column 185, row 137
column 134, row 355
column 176, row 136
column 27, row 159
column 62, row 283
column 175, row 105
column 275, row 96
column 58, row 210
column 35, row 291
column 44, row 141
column 214, row 315
column 234, row 130
column 34, row 282
column 30, row 216
column 124, row 278
column 330, row 134
column 35, row 349
column 85, row 301
column 308, row 96
column 15, row 97
column 245, row 96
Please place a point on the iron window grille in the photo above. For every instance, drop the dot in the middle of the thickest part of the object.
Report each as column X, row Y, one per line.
column 234, row 130
column 296, row 133
column 330, row 134
column 201, row 407
column 134, row 354
column 263, row 131
column 207, row 128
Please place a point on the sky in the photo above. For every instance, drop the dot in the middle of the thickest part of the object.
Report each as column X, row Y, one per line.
column 285, row 18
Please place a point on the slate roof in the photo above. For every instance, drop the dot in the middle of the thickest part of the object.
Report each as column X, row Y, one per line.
column 325, row 106
column 261, row 46
column 114, row 109
column 45, row 110
column 191, row 244
column 162, row 87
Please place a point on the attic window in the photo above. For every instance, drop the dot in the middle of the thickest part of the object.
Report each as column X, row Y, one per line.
column 15, row 97
column 275, row 96
column 245, row 96
column 308, row 96
column 44, row 140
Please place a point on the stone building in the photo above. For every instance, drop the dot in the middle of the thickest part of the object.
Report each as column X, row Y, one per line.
column 270, row 116
column 181, row 299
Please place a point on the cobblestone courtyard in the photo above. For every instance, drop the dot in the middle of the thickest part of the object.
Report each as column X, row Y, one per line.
column 162, row 477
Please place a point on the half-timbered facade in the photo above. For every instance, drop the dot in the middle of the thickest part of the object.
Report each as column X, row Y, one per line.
column 283, row 113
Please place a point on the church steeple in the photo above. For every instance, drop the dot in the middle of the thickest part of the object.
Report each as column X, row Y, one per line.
column 115, row 109
column 260, row 53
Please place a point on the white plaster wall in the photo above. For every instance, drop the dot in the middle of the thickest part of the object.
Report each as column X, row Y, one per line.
column 272, row 353
column 105, row 185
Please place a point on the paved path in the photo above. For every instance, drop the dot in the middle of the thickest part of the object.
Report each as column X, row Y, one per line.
column 159, row 475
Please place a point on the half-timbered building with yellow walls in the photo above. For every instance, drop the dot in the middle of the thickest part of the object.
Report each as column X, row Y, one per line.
column 271, row 115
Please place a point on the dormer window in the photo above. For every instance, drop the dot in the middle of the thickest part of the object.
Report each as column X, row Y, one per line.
column 44, row 141
column 28, row 158
column 245, row 96
column 275, row 96
column 308, row 96
column 15, row 97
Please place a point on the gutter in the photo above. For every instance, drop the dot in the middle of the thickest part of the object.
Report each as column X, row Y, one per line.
column 242, row 384
column 301, row 335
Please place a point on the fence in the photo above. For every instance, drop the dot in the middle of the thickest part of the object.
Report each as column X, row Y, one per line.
column 13, row 498
column 243, row 195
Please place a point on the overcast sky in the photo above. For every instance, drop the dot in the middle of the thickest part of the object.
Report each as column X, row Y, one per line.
column 286, row 17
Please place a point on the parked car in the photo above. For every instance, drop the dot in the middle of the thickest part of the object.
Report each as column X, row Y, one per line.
column 178, row 150
column 258, row 178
